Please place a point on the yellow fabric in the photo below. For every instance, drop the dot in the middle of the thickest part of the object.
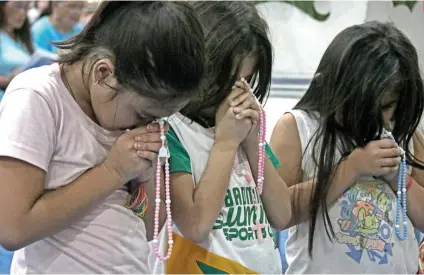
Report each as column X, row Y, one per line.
column 190, row 258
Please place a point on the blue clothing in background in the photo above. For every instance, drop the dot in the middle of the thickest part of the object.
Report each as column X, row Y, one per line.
column 44, row 33
column 1, row 95
column 283, row 236
column 419, row 236
column 13, row 54
column 5, row 260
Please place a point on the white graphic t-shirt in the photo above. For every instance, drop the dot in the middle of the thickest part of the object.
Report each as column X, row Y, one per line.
column 363, row 219
column 232, row 246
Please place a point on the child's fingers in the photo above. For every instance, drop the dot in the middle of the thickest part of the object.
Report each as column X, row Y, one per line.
column 386, row 143
column 246, row 104
column 242, row 96
column 390, row 162
column 389, row 153
column 245, row 101
column 148, row 155
column 238, row 100
column 248, row 88
column 154, row 127
column 235, row 92
column 239, row 84
column 246, row 85
column 148, row 146
column 243, row 84
column 388, row 170
column 249, row 113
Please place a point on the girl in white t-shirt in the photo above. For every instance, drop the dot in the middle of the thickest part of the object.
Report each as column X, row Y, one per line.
column 65, row 154
column 214, row 156
column 342, row 172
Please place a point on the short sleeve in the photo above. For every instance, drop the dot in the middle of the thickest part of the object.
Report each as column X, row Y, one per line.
column 274, row 160
column 28, row 130
column 179, row 160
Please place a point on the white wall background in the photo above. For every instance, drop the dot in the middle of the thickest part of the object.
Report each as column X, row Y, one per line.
column 299, row 41
column 412, row 24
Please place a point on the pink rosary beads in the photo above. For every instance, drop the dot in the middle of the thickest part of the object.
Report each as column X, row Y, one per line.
column 262, row 144
column 163, row 153
column 261, row 166
column 261, row 171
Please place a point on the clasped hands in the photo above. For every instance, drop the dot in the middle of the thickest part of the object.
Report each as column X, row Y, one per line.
column 241, row 105
column 135, row 152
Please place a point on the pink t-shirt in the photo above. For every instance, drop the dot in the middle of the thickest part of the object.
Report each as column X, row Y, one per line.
column 41, row 123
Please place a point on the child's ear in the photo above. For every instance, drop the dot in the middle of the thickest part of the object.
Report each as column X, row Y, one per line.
column 103, row 71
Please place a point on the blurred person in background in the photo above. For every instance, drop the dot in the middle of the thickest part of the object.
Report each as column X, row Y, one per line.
column 58, row 22
column 89, row 11
column 33, row 12
column 15, row 40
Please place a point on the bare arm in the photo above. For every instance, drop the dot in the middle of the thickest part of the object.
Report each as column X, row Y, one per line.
column 418, row 141
column 415, row 201
column 28, row 214
column 415, row 195
column 275, row 196
column 285, row 142
column 301, row 193
column 195, row 208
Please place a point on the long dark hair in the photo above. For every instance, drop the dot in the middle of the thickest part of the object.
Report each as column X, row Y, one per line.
column 361, row 64
column 157, row 47
column 23, row 34
column 234, row 30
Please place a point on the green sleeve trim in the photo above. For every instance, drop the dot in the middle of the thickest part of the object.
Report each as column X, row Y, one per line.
column 274, row 160
column 179, row 160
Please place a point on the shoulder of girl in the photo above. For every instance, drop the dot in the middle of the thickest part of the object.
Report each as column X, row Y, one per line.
column 286, row 121
column 171, row 133
column 174, row 144
column 180, row 159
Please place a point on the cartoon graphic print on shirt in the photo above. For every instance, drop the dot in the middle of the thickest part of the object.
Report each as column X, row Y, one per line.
column 365, row 224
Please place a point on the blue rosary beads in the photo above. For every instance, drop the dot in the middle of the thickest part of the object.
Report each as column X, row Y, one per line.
column 401, row 196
